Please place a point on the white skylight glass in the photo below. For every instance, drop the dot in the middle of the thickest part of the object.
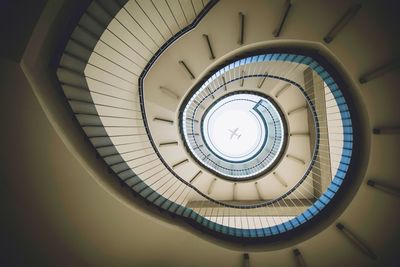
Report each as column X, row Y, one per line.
column 238, row 136
column 233, row 130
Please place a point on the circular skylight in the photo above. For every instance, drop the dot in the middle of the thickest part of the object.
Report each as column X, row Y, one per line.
column 233, row 130
column 237, row 136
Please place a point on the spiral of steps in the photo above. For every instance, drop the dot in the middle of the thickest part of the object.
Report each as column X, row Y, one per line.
column 125, row 119
column 129, row 66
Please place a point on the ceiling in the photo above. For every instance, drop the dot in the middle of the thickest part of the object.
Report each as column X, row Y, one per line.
column 61, row 208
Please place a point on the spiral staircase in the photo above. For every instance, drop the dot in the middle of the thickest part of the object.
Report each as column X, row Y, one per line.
column 136, row 79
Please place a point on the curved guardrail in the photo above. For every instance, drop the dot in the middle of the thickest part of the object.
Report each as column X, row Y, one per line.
column 119, row 131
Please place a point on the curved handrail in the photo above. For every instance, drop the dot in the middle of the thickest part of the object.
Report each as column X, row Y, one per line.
column 94, row 129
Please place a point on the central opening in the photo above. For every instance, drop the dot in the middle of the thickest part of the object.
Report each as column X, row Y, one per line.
column 237, row 136
column 232, row 128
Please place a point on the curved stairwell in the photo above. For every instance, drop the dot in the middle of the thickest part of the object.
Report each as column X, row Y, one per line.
column 103, row 94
